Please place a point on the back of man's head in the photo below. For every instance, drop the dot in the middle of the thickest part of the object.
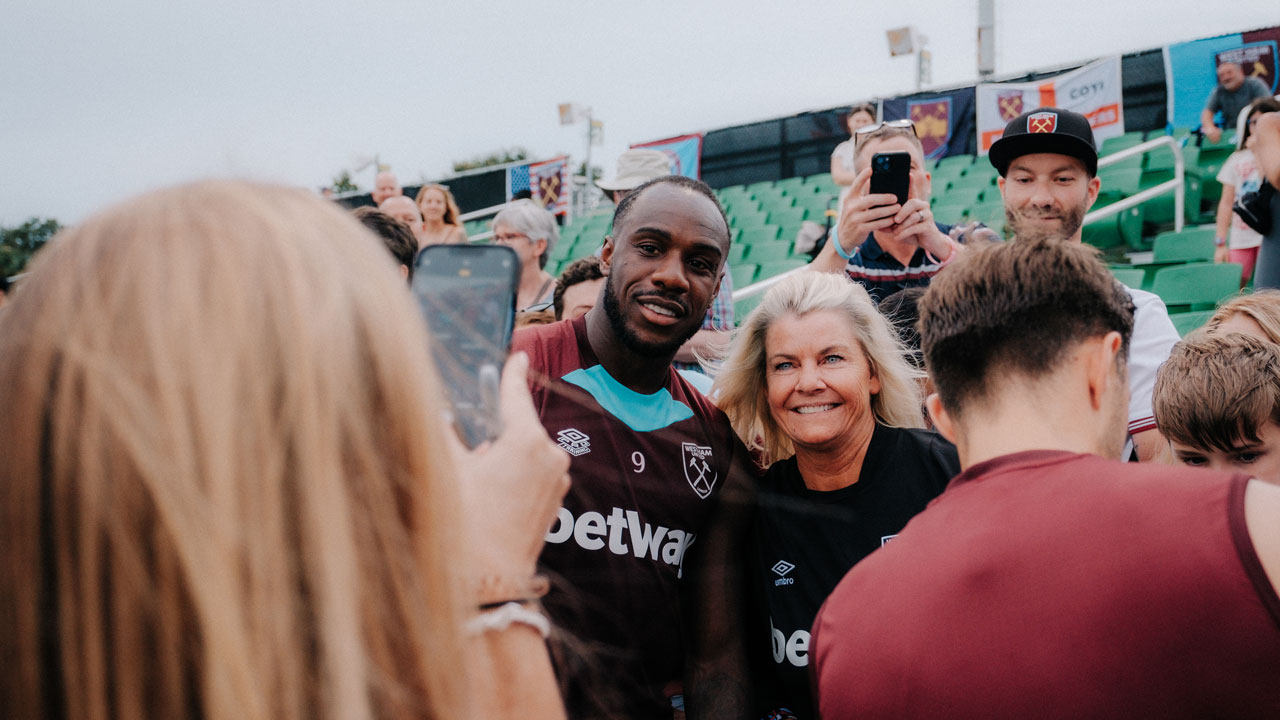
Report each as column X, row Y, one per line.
column 393, row 233
column 1015, row 310
column 1217, row 390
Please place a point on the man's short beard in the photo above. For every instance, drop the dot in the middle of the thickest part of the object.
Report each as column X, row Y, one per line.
column 613, row 311
column 1070, row 225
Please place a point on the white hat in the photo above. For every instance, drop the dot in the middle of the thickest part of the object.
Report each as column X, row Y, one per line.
column 636, row 167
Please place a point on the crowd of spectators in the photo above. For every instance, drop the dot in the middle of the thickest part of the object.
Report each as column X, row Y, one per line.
column 938, row 473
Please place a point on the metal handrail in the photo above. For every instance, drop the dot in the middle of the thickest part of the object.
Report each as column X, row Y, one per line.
column 1176, row 185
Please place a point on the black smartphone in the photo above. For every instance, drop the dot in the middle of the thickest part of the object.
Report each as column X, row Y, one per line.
column 891, row 174
column 468, row 297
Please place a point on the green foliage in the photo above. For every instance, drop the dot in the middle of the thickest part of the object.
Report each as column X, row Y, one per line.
column 343, row 183
column 500, row 157
column 18, row 244
column 596, row 171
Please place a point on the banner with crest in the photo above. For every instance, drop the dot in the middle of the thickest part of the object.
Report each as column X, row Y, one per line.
column 1092, row 91
column 549, row 183
column 943, row 121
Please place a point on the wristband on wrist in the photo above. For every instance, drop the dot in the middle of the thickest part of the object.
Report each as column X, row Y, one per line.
column 835, row 238
column 502, row 618
column 1220, row 241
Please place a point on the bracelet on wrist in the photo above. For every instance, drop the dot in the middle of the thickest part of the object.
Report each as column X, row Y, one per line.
column 502, row 618
column 1220, row 241
column 497, row 590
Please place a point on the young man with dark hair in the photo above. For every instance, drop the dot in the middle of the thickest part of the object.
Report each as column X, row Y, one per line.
column 578, row 288
column 1217, row 400
column 1051, row 580
column 1048, row 165
column 394, row 234
column 644, row 553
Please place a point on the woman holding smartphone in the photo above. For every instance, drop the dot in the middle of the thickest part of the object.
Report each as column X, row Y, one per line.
column 229, row 492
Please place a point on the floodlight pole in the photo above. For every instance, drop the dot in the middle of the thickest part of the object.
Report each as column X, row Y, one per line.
column 986, row 38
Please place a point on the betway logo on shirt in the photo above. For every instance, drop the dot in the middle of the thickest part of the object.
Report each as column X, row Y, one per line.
column 622, row 533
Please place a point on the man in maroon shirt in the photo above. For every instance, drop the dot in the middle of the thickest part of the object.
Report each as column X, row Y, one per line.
column 1050, row 580
column 643, row 553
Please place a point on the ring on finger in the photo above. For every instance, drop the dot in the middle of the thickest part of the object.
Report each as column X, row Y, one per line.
column 919, row 216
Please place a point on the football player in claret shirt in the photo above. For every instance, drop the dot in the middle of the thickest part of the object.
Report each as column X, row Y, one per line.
column 644, row 556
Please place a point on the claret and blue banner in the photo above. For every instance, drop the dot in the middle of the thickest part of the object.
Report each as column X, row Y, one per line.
column 1191, row 69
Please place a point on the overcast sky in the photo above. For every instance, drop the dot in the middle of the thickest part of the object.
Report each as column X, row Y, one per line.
column 101, row 101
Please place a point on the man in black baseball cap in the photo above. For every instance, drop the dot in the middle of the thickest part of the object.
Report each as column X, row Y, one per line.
column 1048, row 163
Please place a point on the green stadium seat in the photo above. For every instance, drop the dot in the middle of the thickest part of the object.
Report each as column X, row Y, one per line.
column 761, row 233
column 744, row 205
column 1190, row 245
column 982, row 168
column 757, row 188
column 776, row 202
column 1130, row 276
column 967, row 196
column 1196, row 286
column 788, row 218
column 972, row 182
column 1118, row 183
column 742, row 308
column 958, row 161
column 769, row 269
column 1185, row 322
column 765, row 252
column 737, row 251
column 792, row 186
column 949, row 213
column 820, row 180
column 1104, row 234
column 1114, row 144
column 743, row 274
column 747, row 219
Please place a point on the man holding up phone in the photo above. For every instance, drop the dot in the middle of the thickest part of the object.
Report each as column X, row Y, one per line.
column 641, row 552
column 883, row 242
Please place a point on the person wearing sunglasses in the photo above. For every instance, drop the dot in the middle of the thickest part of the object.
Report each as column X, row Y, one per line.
column 881, row 244
column 530, row 230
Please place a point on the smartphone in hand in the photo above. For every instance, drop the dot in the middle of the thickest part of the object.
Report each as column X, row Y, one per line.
column 891, row 175
column 467, row 294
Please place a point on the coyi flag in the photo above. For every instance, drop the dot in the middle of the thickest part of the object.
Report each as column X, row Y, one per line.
column 1092, row 91
column 549, row 182
column 684, row 154
column 943, row 121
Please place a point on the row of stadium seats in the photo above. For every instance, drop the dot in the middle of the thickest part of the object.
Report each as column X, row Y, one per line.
column 765, row 217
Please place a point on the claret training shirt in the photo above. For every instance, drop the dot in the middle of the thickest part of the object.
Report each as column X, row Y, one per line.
column 646, row 473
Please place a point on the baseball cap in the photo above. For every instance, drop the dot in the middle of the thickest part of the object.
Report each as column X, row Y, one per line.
column 1046, row 130
column 636, row 167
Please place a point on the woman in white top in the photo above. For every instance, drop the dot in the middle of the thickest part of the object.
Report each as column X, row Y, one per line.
column 842, row 170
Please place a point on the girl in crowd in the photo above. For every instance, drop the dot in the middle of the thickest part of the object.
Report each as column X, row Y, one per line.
column 818, row 383
column 228, row 492
column 441, row 224
column 1236, row 241
column 842, row 166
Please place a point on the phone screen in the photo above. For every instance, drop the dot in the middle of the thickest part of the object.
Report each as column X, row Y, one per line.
column 467, row 294
column 891, row 174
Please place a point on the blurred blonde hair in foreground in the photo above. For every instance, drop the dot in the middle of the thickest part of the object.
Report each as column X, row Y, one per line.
column 225, row 494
